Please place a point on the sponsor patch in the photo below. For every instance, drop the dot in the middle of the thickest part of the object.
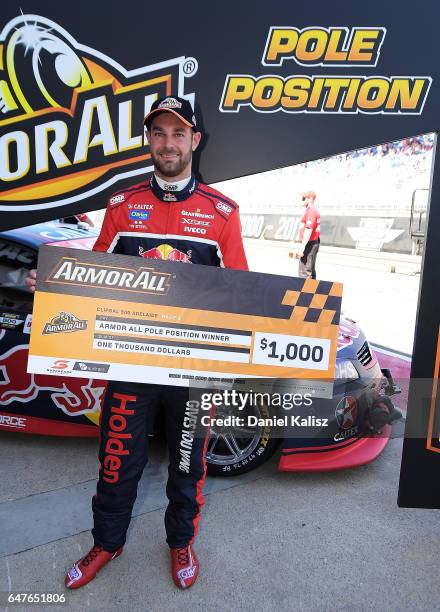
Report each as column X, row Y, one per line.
column 167, row 253
column 139, row 215
column 117, row 198
column 196, row 213
column 74, row 574
column 195, row 222
column 187, row 572
column 169, row 197
column 170, row 103
column 194, row 230
column 117, row 434
column 224, row 208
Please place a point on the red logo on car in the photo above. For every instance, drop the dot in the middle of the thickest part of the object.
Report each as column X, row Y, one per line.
column 74, row 396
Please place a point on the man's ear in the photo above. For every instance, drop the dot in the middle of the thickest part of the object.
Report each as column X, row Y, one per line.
column 196, row 140
column 147, row 134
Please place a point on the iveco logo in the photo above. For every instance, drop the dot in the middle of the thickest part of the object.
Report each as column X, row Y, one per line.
column 71, row 117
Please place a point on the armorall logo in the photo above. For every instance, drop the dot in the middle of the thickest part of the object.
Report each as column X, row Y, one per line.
column 64, row 322
column 71, row 117
column 74, row 272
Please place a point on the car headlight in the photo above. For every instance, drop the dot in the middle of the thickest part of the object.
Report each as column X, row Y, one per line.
column 345, row 370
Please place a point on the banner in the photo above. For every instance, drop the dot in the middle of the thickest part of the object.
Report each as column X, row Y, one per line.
column 368, row 233
column 292, row 87
column 124, row 318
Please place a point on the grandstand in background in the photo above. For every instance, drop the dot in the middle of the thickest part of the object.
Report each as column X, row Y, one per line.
column 370, row 199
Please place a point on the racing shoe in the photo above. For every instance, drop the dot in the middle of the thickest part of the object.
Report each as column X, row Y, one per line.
column 184, row 567
column 84, row 570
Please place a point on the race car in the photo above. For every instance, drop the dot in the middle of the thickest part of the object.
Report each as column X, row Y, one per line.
column 359, row 413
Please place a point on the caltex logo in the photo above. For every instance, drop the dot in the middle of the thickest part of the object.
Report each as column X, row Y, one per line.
column 346, row 412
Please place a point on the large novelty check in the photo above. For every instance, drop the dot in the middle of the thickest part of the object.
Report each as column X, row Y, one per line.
column 129, row 318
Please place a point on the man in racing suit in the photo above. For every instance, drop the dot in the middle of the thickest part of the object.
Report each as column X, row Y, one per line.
column 173, row 217
column 170, row 216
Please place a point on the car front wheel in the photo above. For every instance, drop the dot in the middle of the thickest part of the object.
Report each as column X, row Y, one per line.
column 233, row 451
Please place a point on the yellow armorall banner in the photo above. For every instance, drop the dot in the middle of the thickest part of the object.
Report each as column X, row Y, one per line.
column 127, row 318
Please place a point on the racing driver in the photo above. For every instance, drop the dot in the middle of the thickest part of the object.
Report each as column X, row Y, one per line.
column 170, row 216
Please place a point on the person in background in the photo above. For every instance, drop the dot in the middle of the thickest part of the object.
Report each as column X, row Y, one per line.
column 309, row 232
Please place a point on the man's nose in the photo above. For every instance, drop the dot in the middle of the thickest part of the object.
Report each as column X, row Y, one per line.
column 169, row 141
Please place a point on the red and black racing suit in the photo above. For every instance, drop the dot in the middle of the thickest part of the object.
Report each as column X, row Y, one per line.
column 195, row 225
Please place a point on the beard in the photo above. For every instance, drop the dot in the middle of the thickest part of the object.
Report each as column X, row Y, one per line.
column 171, row 168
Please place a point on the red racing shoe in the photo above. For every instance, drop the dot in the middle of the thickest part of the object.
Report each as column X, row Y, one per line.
column 84, row 570
column 184, row 567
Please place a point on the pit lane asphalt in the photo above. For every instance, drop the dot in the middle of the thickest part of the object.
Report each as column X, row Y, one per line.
column 268, row 540
column 274, row 541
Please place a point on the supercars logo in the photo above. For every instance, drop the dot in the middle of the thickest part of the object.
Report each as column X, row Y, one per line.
column 64, row 322
column 71, row 117
column 357, row 47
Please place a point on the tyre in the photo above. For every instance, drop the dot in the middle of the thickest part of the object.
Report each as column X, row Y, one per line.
column 233, row 451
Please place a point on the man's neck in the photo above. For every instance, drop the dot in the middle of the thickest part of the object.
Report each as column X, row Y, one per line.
column 165, row 184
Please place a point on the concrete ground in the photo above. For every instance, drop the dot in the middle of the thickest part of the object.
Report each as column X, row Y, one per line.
column 273, row 541
column 371, row 292
column 268, row 540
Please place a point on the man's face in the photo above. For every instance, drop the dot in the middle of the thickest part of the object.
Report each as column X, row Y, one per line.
column 307, row 200
column 171, row 146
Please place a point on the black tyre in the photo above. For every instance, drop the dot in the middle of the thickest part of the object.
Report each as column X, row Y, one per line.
column 233, row 451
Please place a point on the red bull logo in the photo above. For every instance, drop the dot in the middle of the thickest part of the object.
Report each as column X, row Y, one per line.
column 74, row 396
column 167, row 253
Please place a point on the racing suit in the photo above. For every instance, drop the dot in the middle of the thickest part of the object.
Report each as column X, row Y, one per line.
column 194, row 225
